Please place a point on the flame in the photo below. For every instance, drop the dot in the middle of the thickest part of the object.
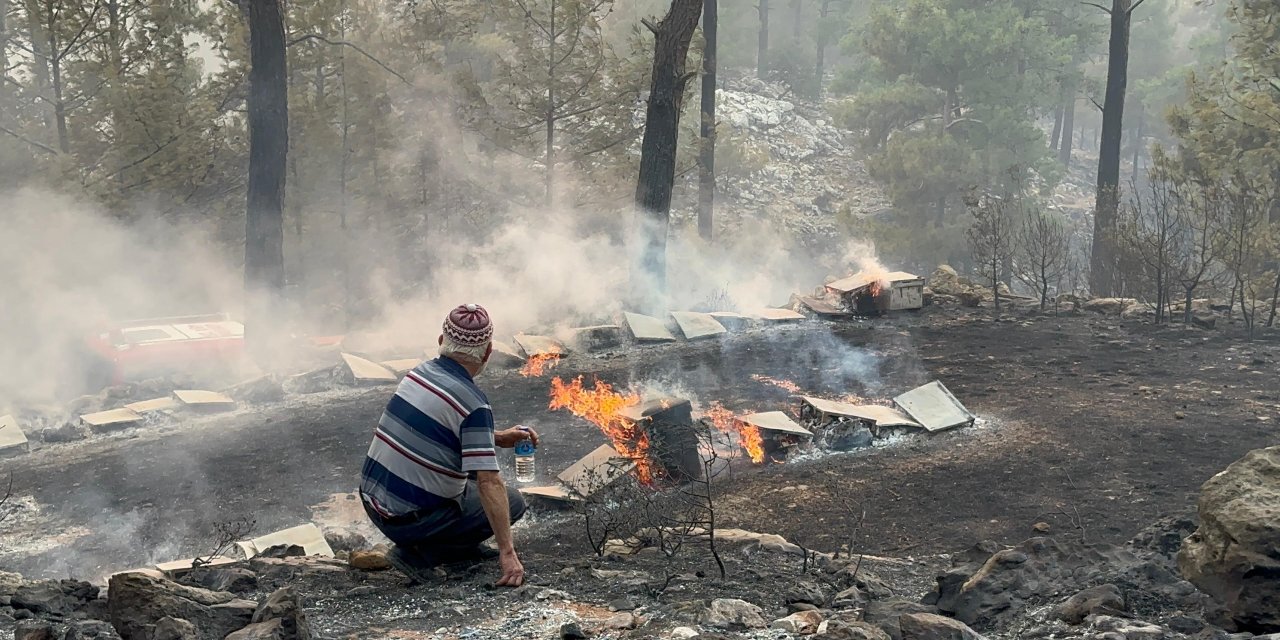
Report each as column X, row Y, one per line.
column 600, row 406
column 876, row 288
column 538, row 364
column 748, row 436
column 786, row 385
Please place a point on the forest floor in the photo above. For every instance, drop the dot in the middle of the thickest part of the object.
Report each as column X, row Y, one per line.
column 1095, row 425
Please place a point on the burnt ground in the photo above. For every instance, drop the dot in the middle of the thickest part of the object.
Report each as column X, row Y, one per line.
column 1095, row 425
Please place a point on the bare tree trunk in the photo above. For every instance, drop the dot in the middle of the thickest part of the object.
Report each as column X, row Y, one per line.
column 4, row 38
column 1137, row 144
column 820, row 65
column 1275, row 301
column 550, row 160
column 55, row 77
column 40, row 61
column 1102, row 262
column 1068, row 127
column 1057, row 128
column 658, row 147
column 707, row 152
column 343, row 169
column 268, row 103
column 762, row 41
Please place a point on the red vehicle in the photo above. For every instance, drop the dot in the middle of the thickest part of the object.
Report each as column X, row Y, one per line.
column 197, row 345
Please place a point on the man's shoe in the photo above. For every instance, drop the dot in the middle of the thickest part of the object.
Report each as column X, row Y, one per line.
column 416, row 566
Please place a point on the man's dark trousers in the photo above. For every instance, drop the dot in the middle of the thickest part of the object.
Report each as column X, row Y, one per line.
column 456, row 527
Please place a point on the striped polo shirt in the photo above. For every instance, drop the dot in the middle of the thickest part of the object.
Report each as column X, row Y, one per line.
column 436, row 429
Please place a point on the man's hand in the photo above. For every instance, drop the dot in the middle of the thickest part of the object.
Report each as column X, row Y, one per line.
column 512, row 570
column 508, row 438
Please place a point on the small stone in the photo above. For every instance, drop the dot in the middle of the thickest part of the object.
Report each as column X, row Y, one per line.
column 733, row 614
column 1100, row 599
column 1180, row 415
column 1041, row 527
column 572, row 631
column 368, row 561
column 684, row 633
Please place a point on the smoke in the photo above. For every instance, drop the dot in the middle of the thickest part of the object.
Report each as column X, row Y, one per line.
column 68, row 270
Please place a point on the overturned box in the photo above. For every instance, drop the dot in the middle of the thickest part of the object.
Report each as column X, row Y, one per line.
column 875, row 294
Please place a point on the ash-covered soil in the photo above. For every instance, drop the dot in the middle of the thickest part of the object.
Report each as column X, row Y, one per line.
column 1096, row 426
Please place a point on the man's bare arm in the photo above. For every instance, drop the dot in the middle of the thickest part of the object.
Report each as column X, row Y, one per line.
column 493, row 497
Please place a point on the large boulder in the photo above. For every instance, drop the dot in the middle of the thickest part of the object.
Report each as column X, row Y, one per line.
column 887, row 614
column 139, row 600
column 929, row 626
column 1036, row 568
column 1235, row 554
column 279, row 617
column 59, row 598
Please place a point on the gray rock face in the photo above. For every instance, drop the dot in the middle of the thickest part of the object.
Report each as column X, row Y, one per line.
column 849, row 630
column 733, row 614
column 140, row 600
column 284, row 606
column 175, row 629
column 1037, row 567
column 887, row 614
column 928, row 626
column 50, row 597
column 89, row 630
column 233, row 579
column 33, row 630
column 1102, row 599
column 1235, row 554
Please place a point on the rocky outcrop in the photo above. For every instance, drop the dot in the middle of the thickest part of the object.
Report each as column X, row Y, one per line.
column 1235, row 554
column 59, row 598
column 139, row 600
column 279, row 617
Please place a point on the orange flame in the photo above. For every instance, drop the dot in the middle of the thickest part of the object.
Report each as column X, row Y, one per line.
column 748, row 436
column 876, row 288
column 600, row 406
column 785, row 385
column 538, row 364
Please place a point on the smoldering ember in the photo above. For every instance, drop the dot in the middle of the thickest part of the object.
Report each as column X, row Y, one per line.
column 562, row 319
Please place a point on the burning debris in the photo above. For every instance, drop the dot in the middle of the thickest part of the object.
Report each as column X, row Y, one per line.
column 668, row 427
column 748, row 435
column 11, row 436
column 785, row 385
column 539, row 364
column 590, row 474
column 601, row 405
column 778, row 434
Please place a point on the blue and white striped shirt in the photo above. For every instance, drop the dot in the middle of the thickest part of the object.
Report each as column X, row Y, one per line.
column 436, row 429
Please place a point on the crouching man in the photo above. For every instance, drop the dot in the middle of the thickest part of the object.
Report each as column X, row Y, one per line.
column 430, row 481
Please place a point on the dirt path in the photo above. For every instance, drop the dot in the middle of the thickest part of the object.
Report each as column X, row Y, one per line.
column 1071, row 430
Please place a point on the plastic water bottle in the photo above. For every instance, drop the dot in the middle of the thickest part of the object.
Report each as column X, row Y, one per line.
column 526, row 471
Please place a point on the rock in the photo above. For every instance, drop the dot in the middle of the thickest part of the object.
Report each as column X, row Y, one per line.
column 233, row 579
column 807, row 592
column 9, row 583
column 572, row 631
column 946, row 281
column 800, row 623
column 1128, row 629
column 345, row 540
column 33, row 630
column 621, row 604
column 140, row 599
column 50, row 597
column 1001, row 587
column 1041, row 527
column 928, row 626
column 269, row 630
column 621, row 621
column 856, row 575
column 88, row 629
column 1108, row 306
column 175, row 629
column 851, row 598
column 684, row 633
column 368, row 560
column 849, row 630
column 1100, row 599
column 1235, row 554
column 886, row 614
column 735, row 615
column 285, row 605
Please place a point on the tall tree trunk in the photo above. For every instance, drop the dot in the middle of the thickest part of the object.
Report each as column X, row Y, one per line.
column 1068, row 127
column 707, row 152
column 40, row 61
column 658, row 148
column 762, row 41
column 550, row 157
column 55, row 77
column 4, row 38
column 344, row 162
column 1137, row 143
column 268, row 103
column 797, row 9
column 1102, row 277
column 1057, row 128
column 819, row 66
